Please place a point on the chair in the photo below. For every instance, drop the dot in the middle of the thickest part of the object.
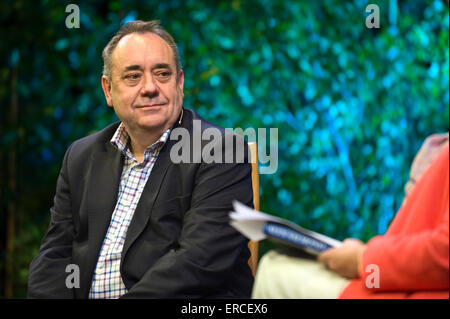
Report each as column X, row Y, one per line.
column 253, row 245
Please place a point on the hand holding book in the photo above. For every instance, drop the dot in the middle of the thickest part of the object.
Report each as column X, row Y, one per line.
column 345, row 260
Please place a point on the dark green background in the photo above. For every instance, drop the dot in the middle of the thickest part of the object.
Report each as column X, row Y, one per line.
column 352, row 105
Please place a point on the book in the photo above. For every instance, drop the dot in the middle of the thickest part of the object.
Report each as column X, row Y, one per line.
column 257, row 226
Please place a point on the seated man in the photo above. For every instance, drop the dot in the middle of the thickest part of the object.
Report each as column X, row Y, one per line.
column 131, row 220
column 410, row 261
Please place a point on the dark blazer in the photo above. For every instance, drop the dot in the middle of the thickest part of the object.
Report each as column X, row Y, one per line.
column 179, row 243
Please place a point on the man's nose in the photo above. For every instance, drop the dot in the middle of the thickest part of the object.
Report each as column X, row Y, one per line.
column 149, row 86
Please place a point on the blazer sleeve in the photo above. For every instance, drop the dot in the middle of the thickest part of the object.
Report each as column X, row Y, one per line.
column 47, row 273
column 410, row 262
column 210, row 249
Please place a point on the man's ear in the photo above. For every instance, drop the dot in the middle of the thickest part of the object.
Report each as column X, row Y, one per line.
column 106, row 85
column 180, row 82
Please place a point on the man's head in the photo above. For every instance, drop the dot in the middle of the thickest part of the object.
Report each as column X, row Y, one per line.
column 138, row 27
column 142, row 77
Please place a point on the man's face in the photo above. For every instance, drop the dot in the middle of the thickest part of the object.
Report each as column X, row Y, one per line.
column 144, row 90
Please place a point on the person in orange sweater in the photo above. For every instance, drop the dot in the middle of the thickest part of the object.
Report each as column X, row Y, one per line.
column 411, row 260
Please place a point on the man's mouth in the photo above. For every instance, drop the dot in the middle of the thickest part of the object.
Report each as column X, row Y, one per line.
column 149, row 106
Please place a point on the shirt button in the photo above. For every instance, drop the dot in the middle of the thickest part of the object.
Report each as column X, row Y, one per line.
column 99, row 270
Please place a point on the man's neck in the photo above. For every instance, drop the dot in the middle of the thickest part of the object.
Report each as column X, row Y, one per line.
column 139, row 141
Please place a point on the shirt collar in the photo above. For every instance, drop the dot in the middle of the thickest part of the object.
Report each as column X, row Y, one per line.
column 121, row 140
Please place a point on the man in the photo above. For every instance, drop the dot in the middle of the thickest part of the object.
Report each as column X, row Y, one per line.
column 134, row 222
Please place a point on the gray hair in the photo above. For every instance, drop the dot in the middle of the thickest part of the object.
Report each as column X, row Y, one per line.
column 139, row 27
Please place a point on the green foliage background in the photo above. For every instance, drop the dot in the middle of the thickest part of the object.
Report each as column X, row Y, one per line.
column 352, row 105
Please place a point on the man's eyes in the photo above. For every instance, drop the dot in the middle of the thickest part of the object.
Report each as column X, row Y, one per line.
column 164, row 75
column 133, row 76
column 160, row 75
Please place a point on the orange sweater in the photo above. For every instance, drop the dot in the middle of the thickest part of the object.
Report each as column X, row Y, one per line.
column 413, row 256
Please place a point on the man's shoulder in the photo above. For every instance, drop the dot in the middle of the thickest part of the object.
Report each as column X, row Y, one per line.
column 204, row 134
column 94, row 141
column 192, row 117
column 203, row 124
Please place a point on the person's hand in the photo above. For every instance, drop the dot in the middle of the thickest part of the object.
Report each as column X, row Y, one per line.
column 345, row 259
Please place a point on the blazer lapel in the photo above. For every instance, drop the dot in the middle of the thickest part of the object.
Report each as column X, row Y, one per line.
column 143, row 210
column 103, row 187
column 151, row 190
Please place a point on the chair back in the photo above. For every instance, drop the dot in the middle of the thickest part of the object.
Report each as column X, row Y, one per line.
column 253, row 245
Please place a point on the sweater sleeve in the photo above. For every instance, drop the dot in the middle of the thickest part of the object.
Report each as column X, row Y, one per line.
column 418, row 261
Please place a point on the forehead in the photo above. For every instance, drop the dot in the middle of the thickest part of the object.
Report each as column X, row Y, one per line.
column 142, row 49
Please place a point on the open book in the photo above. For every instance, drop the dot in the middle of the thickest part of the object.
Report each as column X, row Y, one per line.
column 257, row 226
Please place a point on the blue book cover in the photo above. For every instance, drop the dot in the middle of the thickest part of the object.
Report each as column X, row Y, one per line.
column 297, row 239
